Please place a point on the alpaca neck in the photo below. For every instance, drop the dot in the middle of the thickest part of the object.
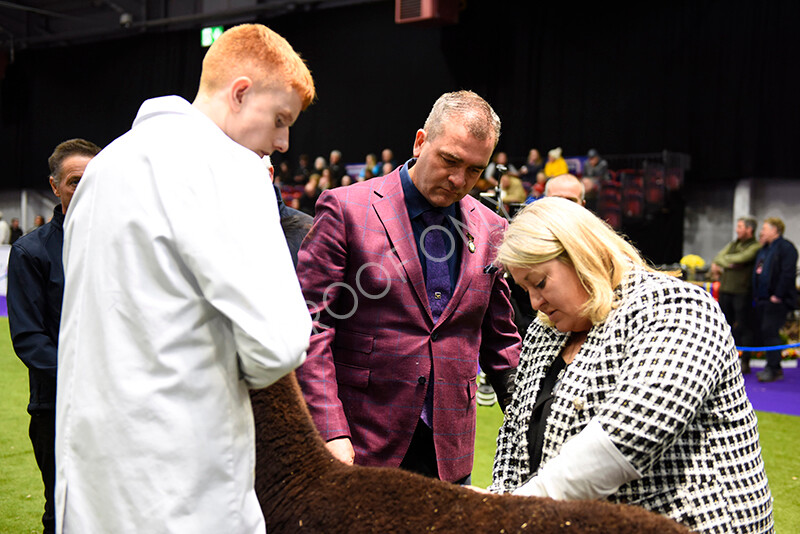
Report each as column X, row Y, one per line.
column 289, row 450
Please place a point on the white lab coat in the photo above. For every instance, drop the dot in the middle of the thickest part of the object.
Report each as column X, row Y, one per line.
column 179, row 294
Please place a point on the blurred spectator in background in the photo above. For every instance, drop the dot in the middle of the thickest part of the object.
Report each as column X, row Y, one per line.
column 284, row 174
column 556, row 164
column 35, row 290
column 5, row 231
column 532, row 166
column 320, row 164
column 733, row 267
column 595, row 166
column 774, row 291
column 311, row 192
column 325, row 179
column 537, row 191
column 387, row 157
column 16, row 231
column 371, row 167
column 294, row 223
column 337, row 168
column 491, row 174
column 566, row 186
column 511, row 189
column 595, row 172
column 303, row 171
column 38, row 222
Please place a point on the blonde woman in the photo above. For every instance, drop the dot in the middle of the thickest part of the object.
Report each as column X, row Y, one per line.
column 628, row 387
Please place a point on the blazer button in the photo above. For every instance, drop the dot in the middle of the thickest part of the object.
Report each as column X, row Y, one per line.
column 434, row 336
column 421, row 380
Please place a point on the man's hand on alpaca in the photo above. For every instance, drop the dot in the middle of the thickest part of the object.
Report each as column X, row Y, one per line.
column 342, row 450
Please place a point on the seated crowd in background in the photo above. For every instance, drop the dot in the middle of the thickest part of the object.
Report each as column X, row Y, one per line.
column 301, row 184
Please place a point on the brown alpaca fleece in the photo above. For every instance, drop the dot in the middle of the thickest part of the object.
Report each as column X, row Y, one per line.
column 302, row 488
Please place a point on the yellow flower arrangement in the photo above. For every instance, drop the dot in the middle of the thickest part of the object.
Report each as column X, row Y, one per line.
column 692, row 262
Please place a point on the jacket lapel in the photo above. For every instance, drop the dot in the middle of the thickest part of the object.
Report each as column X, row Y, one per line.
column 391, row 209
column 468, row 231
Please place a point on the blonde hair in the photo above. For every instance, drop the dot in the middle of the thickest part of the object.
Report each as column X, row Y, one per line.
column 256, row 51
column 556, row 228
column 776, row 223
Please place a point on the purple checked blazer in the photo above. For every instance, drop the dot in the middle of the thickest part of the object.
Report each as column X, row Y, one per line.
column 374, row 339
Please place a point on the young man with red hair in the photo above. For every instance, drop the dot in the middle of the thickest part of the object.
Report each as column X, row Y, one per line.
column 168, row 319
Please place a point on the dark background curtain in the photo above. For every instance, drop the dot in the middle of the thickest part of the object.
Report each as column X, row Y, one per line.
column 716, row 80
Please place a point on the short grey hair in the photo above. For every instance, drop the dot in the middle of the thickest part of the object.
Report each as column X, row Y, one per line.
column 473, row 111
column 749, row 221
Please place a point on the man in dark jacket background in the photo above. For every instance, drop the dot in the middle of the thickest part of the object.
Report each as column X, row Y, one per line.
column 774, row 291
column 294, row 223
column 35, row 290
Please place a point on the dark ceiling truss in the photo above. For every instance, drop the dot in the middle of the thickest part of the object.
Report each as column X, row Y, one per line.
column 48, row 23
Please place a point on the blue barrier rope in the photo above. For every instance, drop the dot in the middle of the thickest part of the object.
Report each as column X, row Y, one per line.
column 765, row 349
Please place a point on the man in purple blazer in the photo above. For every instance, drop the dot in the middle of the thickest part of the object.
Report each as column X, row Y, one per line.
column 397, row 272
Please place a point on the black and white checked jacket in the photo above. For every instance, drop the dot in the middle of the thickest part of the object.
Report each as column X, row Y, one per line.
column 661, row 376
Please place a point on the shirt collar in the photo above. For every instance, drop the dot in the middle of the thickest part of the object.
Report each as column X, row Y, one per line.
column 416, row 204
column 58, row 216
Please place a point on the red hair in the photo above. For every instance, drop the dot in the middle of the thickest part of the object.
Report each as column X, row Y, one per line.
column 255, row 51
